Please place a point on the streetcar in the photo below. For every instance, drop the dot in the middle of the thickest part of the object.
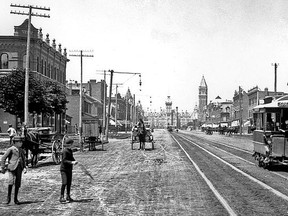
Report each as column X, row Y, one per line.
column 270, row 137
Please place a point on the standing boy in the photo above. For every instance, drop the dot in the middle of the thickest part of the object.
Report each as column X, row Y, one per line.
column 66, row 168
column 16, row 164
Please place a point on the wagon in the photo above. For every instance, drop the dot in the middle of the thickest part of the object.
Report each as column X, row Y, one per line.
column 135, row 137
column 49, row 142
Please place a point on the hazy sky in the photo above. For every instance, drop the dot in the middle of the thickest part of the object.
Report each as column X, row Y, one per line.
column 172, row 43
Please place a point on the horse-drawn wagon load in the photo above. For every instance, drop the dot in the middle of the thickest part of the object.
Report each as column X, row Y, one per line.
column 42, row 140
column 148, row 137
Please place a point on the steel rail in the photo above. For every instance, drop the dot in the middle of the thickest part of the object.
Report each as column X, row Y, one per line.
column 265, row 186
column 208, row 182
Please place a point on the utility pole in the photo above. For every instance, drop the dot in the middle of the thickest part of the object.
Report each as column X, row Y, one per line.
column 110, row 94
column 240, row 109
column 30, row 14
column 275, row 80
column 109, row 106
column 80, row 92
column 104, row 106
column 176, row 117
column 116, row 107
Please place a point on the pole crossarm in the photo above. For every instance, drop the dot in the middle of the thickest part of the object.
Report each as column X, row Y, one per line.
column 32, row 14
column 28, row 6
column 80, row 55
column 118, row 72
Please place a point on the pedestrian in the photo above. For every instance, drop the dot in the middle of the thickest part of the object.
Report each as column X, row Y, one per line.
column 100, row 130
column 76, row 129
column 141, row 133
column 66, row 168
column 16, row 164
column 12, row 132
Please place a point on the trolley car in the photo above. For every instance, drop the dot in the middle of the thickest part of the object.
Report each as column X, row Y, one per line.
column 270, row 138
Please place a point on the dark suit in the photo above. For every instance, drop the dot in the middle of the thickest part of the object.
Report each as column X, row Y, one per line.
column 66, row 168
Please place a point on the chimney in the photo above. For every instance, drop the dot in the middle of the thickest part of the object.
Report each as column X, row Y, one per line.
column 40, row 34
column 54, row 44
column 47, row 39
column 266, row 92
column 65, row 52
column 59, row 48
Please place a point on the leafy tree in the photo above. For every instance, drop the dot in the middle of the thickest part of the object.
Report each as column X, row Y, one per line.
column 56, row 96
column 44, row 96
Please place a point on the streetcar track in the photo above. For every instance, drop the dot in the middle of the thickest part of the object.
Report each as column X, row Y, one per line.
column 265, row 186
column 233, row 155
column 208, row 182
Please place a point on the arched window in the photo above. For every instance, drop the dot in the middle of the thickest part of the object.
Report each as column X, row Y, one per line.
column 4, row 61
column 228, row 109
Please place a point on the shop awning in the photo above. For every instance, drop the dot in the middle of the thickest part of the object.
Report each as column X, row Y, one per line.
column 112, row 122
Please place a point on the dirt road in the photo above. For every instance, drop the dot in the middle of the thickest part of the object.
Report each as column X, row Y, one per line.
column 118, row 181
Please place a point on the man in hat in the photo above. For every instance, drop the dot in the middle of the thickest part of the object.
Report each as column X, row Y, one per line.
column 66, row 168
column 16, row 164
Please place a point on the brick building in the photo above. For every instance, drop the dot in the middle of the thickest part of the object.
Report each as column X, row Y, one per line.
column 47, row 60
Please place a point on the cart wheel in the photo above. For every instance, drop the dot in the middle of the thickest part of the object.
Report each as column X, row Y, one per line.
column 57, row 151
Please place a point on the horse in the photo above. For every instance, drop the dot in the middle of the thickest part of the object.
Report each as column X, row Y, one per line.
column 232, row 130
column 31, row 141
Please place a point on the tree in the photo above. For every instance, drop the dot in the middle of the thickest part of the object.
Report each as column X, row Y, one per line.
column 44, row 96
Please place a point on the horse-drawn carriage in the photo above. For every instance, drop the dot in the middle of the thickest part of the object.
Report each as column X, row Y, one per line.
column 135, row 137
column 43, row 140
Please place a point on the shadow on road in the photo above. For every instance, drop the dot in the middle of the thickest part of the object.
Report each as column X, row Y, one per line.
column 83, row 200
column 30, row 202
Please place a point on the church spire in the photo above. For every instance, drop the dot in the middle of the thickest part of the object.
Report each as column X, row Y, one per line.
column 203, row 82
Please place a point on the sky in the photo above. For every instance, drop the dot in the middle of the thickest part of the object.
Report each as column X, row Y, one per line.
column 171, row 43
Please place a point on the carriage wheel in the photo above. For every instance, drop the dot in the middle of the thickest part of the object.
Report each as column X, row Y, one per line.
column 57, row 151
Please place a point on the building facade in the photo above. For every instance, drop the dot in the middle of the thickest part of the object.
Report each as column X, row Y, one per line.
column 47, row 60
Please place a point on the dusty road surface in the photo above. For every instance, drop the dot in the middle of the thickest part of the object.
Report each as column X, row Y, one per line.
column 121, row 182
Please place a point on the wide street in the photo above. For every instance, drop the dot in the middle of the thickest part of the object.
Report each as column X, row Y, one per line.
column 163, row 181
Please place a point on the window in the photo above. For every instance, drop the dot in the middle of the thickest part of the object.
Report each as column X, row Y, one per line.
column 38, row 66
column 4, row 61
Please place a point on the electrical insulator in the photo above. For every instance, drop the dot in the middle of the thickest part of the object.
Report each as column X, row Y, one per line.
column 140, row 82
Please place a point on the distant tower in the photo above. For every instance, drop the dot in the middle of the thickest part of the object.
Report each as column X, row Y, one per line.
column 203, row 98
column 168, row 104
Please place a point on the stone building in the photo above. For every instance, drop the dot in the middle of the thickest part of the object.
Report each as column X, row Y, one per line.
column 47, row 60
column 203, row 100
